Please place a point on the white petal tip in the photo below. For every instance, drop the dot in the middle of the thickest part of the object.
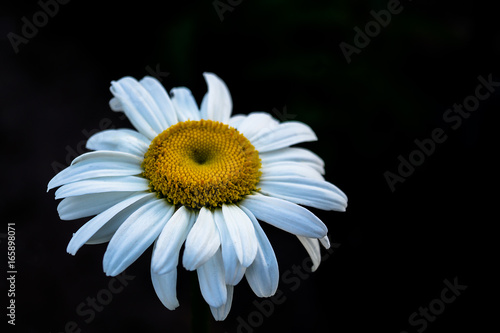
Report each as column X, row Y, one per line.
column 170, row 304
column 113, row 273
column 172, row 307
column 189, row 266
column 264, row 293
column 110, row 272
column 217, row 316
column 188, row 262
column 71, row 249
column 325, row 241
column 115, row 104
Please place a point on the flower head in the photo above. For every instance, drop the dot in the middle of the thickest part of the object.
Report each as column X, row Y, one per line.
column 198, row 177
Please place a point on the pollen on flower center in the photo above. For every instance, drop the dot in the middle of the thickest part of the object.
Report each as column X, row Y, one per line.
column 202, row 164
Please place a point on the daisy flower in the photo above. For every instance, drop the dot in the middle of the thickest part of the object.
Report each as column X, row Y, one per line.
column 198, row 177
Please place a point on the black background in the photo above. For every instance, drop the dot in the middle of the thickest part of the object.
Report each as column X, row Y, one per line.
column 396, row 247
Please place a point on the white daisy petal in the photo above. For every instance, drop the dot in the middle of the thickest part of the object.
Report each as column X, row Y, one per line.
column 284, row 135
column 293, row 154
column 241, row 233
column 257, row 124
column 221, row 312
column 98, row 164
column 123, row 140
column 233, row 269
column 304, row 191
column 72, row 208
column 91, row 227
column 285, row 215
column 202, row 241
column 312, row 247
column 204, row 107
column 235, row 120
column 290, row 169
column 131, row 100
column 263, row 275
column 218, row 102
column 135, row 235
column 234, row 276
column 185, row 104
column 139, row 97
column 115, row 104
column 104, row 184
column 106, row 232
column 105, row 155
column 165, row 111
column 211, row 278
column 174, row 233
column 323, row 184
column 325, row 241
column 165, row 287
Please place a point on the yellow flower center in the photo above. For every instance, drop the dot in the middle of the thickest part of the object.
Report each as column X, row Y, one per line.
column 202, row 164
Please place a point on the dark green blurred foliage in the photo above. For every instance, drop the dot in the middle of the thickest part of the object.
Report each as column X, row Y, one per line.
column 288, row 52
